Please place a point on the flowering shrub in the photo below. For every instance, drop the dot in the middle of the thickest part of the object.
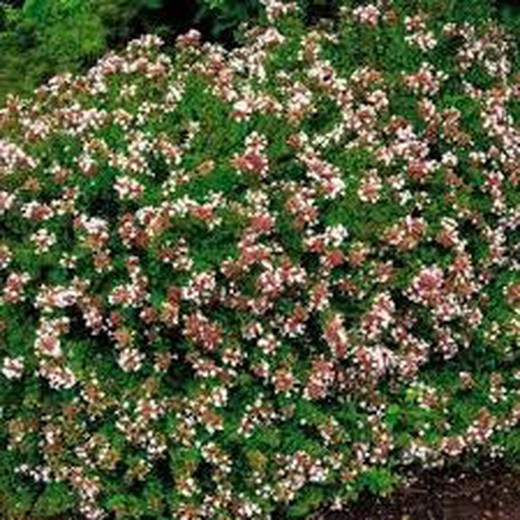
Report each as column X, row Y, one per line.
column 240, row 283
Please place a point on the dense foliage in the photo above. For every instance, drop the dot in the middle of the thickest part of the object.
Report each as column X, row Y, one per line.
column 240, row 282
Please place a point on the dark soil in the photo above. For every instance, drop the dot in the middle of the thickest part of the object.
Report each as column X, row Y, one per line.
column 492, row 493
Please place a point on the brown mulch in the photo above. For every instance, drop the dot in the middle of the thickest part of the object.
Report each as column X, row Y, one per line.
column 493, row 493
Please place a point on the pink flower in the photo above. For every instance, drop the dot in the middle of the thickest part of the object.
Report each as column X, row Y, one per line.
column 428, row 286
column 336, row 336
column 370, row 187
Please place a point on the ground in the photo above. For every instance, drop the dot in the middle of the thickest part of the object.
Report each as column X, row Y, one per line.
column 493, row 493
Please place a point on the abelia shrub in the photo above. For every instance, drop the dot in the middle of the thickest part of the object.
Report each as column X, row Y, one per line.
column 254, row 282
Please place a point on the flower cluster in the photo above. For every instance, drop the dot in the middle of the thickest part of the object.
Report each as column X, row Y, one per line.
column 239, row 282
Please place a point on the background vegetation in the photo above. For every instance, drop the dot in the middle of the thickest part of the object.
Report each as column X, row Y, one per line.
column 40, row 38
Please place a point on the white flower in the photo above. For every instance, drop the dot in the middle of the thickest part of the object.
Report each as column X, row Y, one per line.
column 43, row 240
column 130, row 359
column 12, row 368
